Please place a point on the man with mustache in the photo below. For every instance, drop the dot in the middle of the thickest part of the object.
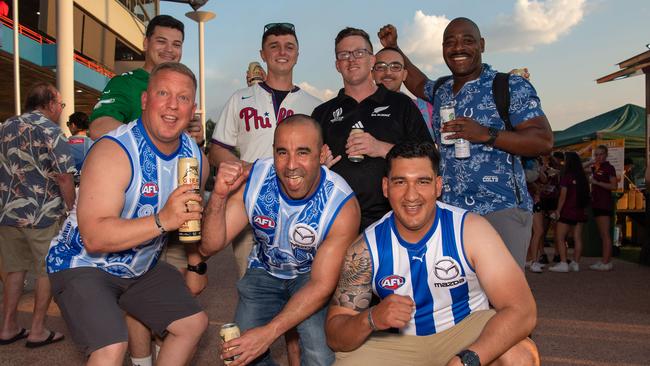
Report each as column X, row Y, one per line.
column 433, row 267
column 491, row 181
column 304, row 217
column 380, row 118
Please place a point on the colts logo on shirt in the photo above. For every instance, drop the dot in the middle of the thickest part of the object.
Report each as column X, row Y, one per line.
column 392, row 282
column 264, row 222
column 149, row 189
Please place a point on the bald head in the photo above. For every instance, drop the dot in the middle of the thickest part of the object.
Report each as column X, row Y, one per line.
column 465, row 21
column 301, row 119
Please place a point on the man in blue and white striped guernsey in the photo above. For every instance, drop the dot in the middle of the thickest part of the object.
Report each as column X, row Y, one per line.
column 104, row 263
column 436, row 268
column 304, row 217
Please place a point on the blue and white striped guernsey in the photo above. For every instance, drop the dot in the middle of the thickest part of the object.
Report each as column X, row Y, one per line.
column 433, row 272
column 288, row 232
column 153, row 178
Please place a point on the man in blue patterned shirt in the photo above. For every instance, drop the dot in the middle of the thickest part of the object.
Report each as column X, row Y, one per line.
column 491, row 181
column 36, row 180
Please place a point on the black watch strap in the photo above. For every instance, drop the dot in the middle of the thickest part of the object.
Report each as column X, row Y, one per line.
column 199, row 268
column 493, row 133
column 469, row 358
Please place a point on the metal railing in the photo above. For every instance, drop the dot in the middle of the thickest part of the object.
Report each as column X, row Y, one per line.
column 37, row 37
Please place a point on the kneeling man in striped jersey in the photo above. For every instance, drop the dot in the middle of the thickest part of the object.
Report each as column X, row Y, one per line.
column 436, row 269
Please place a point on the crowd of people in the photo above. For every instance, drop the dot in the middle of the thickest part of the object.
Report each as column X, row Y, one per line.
column 360, row 234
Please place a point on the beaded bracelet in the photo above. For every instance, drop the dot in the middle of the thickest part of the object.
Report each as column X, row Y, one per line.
column 156, row 218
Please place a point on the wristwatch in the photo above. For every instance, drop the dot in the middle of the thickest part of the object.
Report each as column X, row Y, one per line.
column 200, row 268
column 469, row 358
column 493, row 133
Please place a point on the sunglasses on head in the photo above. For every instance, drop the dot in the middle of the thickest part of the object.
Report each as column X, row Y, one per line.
column 288, row 26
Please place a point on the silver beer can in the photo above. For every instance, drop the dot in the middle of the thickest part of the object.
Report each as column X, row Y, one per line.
column 447, row 113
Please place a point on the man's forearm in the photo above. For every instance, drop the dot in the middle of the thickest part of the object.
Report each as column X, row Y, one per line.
column 66, row 187
column 301, row 306
column 347, row 332
column 103, row 238
column 213, row 231
column 101, row 126
column 504, row 330
column 415, row 79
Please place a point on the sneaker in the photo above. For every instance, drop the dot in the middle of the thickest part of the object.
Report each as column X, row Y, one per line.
column 528, row 263
column 600, row 266
column 536, row 267
column 543, row 259
column 574, row 266
column 560, row 267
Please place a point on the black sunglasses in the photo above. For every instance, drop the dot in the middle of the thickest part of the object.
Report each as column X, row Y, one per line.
column 288, row 26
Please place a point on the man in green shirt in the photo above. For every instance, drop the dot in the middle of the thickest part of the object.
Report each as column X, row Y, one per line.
column 120, row 100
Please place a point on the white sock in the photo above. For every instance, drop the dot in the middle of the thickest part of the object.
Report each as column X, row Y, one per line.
column 156, row 350
column 144, row 361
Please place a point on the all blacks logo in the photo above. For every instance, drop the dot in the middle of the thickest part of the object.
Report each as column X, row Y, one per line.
column 447, row 271
column 302, row 236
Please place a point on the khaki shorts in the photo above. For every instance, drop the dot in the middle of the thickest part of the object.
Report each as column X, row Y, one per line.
column 22, row 249
column 387, row 349
column 241, row 247
column 174, row 253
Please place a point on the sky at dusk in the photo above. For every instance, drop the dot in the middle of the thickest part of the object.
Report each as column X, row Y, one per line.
column 566, row 44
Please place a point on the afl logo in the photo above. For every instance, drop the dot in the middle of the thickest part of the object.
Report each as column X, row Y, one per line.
column 149, row 189
column 392, row 282
column 264, row 222
column 302, row 236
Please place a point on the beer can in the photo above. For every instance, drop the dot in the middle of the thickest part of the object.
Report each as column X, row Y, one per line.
column 188, row 173
column 461, row 149
column 255, row 72
column 355, row 158
column 447, row 114
column 229, row 331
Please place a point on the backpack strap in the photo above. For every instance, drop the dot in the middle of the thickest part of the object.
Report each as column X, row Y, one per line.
column 501, row 93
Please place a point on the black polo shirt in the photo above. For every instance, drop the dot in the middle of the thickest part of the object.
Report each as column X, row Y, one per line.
column 389, row 117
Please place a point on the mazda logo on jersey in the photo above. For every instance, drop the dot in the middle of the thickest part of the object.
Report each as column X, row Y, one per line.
column 392, row 282
column 447, row 270
column 302, row 236
column 149, row 189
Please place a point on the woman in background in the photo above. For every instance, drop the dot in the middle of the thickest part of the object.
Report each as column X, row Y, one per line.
column 571, row 210
column 603, row 182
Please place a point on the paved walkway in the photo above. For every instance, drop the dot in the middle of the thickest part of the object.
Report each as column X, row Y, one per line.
column 585, row 318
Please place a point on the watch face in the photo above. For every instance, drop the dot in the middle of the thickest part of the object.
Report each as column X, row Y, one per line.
column 469, row 358
column 200, row 268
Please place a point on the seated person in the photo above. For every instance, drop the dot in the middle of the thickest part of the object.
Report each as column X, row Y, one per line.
column 436, row 269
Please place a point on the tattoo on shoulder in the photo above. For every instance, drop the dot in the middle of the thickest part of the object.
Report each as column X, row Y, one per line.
column 354, row 290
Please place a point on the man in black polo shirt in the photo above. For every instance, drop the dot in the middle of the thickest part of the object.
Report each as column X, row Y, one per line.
column 386, row 117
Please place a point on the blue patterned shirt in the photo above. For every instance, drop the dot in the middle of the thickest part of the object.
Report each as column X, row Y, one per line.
column 484, row 182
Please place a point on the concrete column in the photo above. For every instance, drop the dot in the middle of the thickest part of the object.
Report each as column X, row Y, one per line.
column 65, row 58
column 201, row 17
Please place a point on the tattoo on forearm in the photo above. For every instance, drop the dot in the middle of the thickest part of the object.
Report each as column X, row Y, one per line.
column 354, row 290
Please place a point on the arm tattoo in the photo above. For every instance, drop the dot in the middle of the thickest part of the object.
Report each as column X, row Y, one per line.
column 354, row 290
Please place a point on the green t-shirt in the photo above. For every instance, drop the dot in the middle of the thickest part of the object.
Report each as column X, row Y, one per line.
column 121, row 97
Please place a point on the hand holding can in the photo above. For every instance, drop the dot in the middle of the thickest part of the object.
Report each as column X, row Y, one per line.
column 356, row 158
column 229, row 332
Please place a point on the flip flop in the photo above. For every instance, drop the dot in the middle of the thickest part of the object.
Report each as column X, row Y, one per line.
column 22, row 333
column 49, row 340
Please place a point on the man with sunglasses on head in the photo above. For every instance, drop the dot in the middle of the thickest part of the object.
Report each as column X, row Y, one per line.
column 389, row 71
column 384, row 116
column 250, row 116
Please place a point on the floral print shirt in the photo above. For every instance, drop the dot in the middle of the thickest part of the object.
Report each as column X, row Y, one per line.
column 33, row 151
